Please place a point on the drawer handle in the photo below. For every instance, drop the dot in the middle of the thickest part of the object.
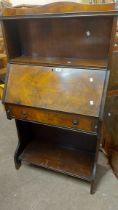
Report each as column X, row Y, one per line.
column 9, row 114
column 75, row 122
column 24, row 114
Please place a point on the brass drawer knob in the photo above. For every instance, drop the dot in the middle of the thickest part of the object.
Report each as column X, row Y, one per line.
column 75, row 122
column 24, row 114
column 8, row 111
column 9, row 114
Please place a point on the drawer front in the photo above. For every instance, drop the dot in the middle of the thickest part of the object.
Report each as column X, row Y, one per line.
column 53, row 118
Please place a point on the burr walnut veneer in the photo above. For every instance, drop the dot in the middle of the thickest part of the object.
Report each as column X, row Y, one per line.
column 57, row 77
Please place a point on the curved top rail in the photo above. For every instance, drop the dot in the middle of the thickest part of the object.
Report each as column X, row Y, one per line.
column 62, row 8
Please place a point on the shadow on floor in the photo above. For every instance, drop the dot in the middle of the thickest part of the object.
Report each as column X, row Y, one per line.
column 100, row 173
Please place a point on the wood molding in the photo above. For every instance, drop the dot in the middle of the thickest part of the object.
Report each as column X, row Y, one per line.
column 59, row 7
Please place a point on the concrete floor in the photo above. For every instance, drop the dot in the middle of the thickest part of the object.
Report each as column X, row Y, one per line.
column 31, row 188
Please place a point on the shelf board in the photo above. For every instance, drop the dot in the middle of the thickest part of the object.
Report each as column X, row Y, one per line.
column 54, row 61
column 65, row 160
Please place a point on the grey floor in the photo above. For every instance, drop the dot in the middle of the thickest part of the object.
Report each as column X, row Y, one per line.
column 31, row 188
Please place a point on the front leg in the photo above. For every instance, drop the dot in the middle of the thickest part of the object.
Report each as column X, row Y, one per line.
column 24, row 137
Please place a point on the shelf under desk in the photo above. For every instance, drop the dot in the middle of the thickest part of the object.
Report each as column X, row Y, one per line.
column 61, row 159
column 61, row 150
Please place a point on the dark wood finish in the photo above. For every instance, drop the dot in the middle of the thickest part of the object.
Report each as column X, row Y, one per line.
column 60, row 58
column 60, row 150
column 78, row 39
column 65, row 147
column 112, row 42
column 110, row 130
column 2, row 75
column 113, row 82
column 59, row 89
column 110, row 125
column 49, row 41
column 24, row 137
column 63, row 62
column 63, row 137
column 60, row 119
column 69, row 161
column 62, row 8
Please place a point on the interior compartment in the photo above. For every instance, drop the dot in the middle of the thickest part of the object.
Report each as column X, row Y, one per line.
column 59, row 149
column 63, row 41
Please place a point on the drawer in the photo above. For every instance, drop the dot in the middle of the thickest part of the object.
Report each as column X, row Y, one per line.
column 59, row 119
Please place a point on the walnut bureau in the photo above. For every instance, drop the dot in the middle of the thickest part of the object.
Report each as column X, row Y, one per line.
column 57, row 76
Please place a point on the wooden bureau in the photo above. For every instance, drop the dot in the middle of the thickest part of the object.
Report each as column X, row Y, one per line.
column 56, row 84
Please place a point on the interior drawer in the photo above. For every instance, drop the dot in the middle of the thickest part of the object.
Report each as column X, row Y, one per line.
column 53, row 118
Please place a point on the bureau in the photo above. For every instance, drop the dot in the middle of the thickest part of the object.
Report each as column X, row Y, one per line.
column 56, row 84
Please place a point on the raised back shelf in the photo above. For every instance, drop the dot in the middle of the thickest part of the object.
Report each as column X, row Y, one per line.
column 57, row 40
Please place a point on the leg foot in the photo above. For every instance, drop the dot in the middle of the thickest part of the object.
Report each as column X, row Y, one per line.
column 17, row 163
column 92, row 188
column 24, row 136
column 16, row 157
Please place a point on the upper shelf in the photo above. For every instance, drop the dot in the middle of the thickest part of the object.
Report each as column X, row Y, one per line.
column 87, row 41
column 61, row 9
column 68, row 62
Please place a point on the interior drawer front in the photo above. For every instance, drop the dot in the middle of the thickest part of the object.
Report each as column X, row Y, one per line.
column 52, row 118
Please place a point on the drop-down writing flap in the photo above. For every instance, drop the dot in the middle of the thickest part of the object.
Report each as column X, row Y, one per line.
column 70, row 90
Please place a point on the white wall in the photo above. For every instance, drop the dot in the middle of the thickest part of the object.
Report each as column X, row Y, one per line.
column 39, row 2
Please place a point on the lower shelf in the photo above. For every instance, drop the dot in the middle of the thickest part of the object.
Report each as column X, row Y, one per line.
column 65, row 160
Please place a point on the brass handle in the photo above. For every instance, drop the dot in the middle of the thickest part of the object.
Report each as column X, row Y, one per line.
column 9, row 114
column 75, row 122
column 8, row 111
column 24, row 114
